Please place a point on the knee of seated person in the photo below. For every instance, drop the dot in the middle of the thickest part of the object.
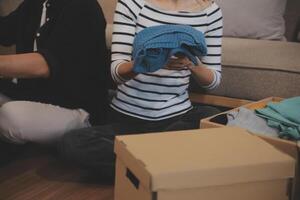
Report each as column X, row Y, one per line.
column 87, row 145
column 72, row 145
column 11, row 122
column 41, row 123
column 67, row 146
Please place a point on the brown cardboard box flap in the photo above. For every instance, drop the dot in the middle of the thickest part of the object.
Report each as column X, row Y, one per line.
column 201, row 158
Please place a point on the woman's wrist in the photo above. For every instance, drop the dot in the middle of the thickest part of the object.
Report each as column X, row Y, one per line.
column 125, row 70
column 203, row 75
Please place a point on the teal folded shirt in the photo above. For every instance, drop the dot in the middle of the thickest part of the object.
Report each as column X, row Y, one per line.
column 285, row 116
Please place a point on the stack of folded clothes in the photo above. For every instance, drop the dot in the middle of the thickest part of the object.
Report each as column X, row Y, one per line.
column 275, row 120
column 284, row 116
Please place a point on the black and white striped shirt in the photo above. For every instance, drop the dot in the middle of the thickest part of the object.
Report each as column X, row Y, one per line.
column 162, row 94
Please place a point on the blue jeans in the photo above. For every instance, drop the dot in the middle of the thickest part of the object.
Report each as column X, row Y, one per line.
column 93, row 148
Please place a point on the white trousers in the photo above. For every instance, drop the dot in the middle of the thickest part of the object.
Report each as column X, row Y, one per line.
column 24, row 121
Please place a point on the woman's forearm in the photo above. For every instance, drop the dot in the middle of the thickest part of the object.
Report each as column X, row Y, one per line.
column 204, row 76
column 29, row 65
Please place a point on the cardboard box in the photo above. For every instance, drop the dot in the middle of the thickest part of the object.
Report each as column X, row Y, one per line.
column 286, row 146
column 209, row 164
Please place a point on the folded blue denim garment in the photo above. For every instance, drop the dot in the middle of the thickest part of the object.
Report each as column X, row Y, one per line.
column 148, row 61
column 153, row 46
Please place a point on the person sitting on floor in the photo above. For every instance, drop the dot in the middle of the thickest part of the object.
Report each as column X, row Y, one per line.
column 57, row 81
column 150, row 101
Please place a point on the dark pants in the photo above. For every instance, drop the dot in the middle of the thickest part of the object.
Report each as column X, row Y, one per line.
column 93, row 148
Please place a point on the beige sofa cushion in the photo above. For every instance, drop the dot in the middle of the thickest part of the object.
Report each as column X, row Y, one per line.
column 255, row 69
column 261, row 54
column 256, row 19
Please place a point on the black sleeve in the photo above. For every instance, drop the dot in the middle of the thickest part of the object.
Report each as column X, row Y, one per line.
column 77, row 55
column 8, row 27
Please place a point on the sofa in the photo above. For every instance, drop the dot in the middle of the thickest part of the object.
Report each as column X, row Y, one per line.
column 252, row 68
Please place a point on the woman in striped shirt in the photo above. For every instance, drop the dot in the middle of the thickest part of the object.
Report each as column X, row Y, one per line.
column 163, row 94
column 150, row 102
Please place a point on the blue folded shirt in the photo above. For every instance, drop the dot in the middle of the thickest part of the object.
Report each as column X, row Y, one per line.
column 153, row 46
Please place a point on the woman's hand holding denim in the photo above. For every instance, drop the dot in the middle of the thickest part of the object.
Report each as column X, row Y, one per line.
column 178, row 63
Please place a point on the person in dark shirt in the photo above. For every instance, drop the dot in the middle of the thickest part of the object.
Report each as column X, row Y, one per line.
column 57, row 80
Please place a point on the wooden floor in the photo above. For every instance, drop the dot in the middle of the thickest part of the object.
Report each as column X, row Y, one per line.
column 40, row 176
